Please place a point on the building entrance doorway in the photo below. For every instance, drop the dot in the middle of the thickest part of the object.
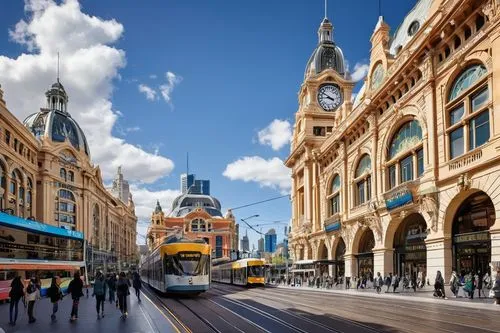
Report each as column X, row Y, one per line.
column 410, row 253
column 471, row 237
column 339, row 259
column 365, row 254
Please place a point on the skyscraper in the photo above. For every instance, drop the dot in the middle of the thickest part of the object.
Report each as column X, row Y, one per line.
column 245, row 243
column 270, row 241
column 260, row 245
column 186, row 182
column 121, row 188
column 190, row 184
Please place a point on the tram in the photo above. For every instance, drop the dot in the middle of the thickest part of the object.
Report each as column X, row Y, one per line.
column 242, row 272
column 178, row 265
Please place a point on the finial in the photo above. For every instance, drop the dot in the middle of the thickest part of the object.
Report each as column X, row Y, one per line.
column 379, row 8
column 326, row 7
column 57, row 66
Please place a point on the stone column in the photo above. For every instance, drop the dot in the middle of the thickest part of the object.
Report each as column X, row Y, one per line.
column 351, row 266
column 307, row 193
column 495, row 242
column 383, row 261
column 439, row 258
column 315, row 198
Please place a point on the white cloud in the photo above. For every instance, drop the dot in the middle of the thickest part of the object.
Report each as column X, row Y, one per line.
column 148, row 91
column 167, row 88
column 153, row 76
column 360, row 71
column 132, row 129
column 268, row 173
column 145, row 203
column 89, row 65
column 277, row 134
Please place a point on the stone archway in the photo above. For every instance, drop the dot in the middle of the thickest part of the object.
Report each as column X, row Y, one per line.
column 363, row 251
column 338, row 253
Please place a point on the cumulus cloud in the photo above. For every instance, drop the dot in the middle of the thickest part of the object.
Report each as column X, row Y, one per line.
column 149, row 92
column 360, row 71
column 277, row 134
column 267, row 173
column 89, row 65
column 167, row 88
column 145, row 203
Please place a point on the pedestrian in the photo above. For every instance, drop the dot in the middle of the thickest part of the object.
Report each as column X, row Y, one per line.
column 55, row 295
column 388, row 280
column 137, row 284
column 469, row 285
column 100, row 294
column 111, row 281
column 414, row 281
column 122, row 291
column 379, row 282
column 479, row 284
column 75, row 288
column 15, row 294
column 33, row 294
column 395, row 283
column 496, row 288
column 439, row 286
column 454, row 283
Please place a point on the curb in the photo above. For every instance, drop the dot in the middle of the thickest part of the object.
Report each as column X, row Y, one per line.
column 451, row 302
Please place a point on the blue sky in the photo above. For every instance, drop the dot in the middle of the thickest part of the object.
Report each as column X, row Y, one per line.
column 233, row 68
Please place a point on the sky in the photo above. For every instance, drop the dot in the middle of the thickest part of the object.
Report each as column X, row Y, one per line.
column 150, row 81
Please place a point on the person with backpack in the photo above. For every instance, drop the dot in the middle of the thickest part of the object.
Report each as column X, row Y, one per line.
column 32, row 295
column 137, row 284
column 75, row 288
column 15, row 294
column 55, row 295
column 122, row 291
column 99, row 293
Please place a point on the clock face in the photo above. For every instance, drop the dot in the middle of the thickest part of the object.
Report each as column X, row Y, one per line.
column 329, row 97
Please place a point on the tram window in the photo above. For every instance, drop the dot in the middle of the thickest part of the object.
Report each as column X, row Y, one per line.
column 256, row 271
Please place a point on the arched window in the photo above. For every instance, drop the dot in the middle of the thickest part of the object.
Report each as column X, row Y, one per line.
column 96, row 217
column 334, row 195
column 71, row 176
column 29, row 196
column 468, row 114
column 62, row 173
column 363, row 180
column 3, row 185
column 65, row 209
column 198, row 225
column 406, row 154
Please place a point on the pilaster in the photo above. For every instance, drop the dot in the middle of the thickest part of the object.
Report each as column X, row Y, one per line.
column 383, row 261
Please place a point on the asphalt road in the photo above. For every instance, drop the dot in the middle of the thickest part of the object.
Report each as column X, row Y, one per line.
column 227, row 308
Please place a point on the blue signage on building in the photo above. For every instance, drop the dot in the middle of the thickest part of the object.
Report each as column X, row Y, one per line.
column 34, row 226
column 400, row 199
column 332, row 227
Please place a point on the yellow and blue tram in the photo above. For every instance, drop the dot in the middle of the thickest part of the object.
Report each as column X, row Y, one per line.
column 178, row 265
column 243, row 272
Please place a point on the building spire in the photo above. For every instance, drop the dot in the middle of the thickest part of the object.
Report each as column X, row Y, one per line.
column 57, row 66
column 326, row 8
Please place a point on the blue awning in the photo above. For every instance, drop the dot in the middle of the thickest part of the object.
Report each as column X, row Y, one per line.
column 37, row 227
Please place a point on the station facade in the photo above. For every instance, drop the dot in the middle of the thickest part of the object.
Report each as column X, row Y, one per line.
column 405, row 176
column 47, row 175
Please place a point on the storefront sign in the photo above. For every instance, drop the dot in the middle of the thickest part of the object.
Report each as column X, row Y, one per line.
column 473, row 237
column 399, row 199
column 335, row 226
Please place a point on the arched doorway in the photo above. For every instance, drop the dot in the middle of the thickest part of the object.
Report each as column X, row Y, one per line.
column 471, row 238
column 365, row 253
column 410, row 253
column 322, row 261
column 339, row 259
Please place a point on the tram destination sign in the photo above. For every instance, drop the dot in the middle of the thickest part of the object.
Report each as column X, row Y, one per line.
column 472, row 237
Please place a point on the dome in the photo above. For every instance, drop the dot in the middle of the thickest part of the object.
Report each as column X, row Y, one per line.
column 186, row 203
column 327, row 54
column 55, row 123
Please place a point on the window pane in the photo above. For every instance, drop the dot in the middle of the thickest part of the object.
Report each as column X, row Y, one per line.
column 457, row 142
column 364, row 165
column 406, row 167
column 334, row 202
column 361, row 192
column 479, row 99
column 456, row 115
column 368, row 188
column 420, row 162
column 335, row 184
column 392, row 176
column 406, row 138
column 479, row 130
column 466, row 79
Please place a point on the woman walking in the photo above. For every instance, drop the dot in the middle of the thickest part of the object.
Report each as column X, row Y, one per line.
column 33, row 294
column 15, row 294
column 439, row 286
column 55, row 295
column 75, row 288
column 100, row 294
column 122, row 291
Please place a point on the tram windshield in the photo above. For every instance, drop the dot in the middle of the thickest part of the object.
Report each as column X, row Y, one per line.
column 255, row 271
column 187, row 263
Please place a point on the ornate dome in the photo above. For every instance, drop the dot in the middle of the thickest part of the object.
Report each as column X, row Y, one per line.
column 186, row 203
column 55, row 123
column 327, row 54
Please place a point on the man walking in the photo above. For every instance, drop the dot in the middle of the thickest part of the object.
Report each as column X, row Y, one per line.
column 100, row 293
column 137, row 284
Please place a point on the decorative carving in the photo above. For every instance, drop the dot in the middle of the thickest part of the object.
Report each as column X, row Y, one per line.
column 463, row 182
column 491, row 12
column 374, row 222
column 429, row 207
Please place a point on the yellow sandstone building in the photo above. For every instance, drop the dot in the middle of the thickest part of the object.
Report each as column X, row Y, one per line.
column 46, row 174
column 405, row 176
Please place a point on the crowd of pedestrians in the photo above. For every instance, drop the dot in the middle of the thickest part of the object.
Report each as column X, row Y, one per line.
column 115, row 287
column 469, row 284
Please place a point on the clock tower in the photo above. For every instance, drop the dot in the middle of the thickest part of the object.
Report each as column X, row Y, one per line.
column 324, row 102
